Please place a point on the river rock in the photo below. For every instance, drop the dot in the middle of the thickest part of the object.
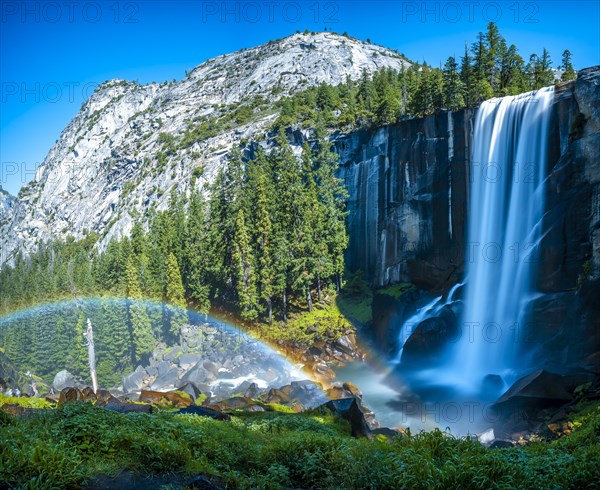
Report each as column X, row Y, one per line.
column 198, row 375
column 135, row 380
column 173, row 398
column 70, row 395
column 191, row 389
column 166, row 381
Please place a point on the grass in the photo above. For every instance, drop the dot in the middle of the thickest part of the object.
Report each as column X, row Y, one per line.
column 325, row 322
column 63, row 448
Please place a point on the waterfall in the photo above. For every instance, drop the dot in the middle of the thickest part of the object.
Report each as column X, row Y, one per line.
column 504, row 228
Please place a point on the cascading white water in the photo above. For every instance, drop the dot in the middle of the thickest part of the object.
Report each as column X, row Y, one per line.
column 505, row 210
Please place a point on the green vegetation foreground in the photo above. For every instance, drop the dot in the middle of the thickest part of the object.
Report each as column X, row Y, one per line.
column 66, row 447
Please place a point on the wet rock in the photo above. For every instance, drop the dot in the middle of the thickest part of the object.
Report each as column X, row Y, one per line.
column 308, row 393
column 352, row 389
column 429, row 340
column 135, row 380
column 322, row 370
column 501, row 444
column 491, row 386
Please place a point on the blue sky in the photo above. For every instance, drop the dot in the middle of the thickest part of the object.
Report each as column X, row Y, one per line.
column 52, row 53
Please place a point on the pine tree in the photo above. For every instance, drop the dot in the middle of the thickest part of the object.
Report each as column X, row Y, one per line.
column 197, row 253
column 567, row 67
column 453, row 86
column 175, row 296
column 141, row 328
column 243, row 270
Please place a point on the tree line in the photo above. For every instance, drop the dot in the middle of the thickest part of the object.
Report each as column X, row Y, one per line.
column 270, row 239
column 489, row 67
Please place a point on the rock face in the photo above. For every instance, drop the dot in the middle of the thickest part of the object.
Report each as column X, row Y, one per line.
column 407, row 206
column 111, row 162
column 409, row 193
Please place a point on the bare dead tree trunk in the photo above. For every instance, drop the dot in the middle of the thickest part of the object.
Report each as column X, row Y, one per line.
column 89, row 335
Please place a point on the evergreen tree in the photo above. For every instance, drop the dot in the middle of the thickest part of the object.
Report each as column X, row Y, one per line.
column 453, row 86
column 243, row 269
column 175, row 296
column 141, row 328
column 567, row 67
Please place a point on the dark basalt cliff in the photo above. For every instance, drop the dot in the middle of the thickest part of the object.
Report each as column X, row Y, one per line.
column 409, row 194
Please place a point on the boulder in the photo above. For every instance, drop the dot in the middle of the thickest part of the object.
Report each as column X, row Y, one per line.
column 346, row 344
column 308, row 393
column 276, row 396
column 163, row 367
column 428, row 341
column 202, row 483
column 352, row 389
column 64, row 379
column 135, row 380
column 187, row 361
column 528, row 402
column 192, row 390
column 491, row 386
column 104, row 397
column 543, row 387
column 166, row 381
column 252, row 391
column 70, row 395
column 348, row 409
column 198, row 375
column 172, row 398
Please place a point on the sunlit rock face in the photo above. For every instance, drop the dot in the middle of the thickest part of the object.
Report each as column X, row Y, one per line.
column 105, row 168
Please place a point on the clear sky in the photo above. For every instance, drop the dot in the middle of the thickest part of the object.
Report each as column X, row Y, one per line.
column 53, row 53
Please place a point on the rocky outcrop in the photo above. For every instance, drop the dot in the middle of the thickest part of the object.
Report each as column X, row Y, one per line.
column 120, row 155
